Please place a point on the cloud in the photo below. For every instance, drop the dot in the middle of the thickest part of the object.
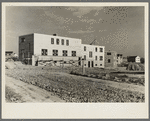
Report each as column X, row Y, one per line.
column 80, row 11
column 102, row 30
column 56, row 17
column 90, row 21
column 80, row 32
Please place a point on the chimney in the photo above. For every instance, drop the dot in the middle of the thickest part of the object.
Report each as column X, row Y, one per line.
column 54, row 34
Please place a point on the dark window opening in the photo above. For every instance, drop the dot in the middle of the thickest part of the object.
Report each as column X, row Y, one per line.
column 44, row 51
column 96, row 49
column 67, row 42
column 84, row 57
column 23, row 40
column 100, row 64
column 101, row 49
column 109, row 61
column 62, row 41
column 55, row 52
column 95, row 57
column 73, row 53
column 52, row 40
column 84, row 48
column 57, row 41
column 95, row 64
column 90, row 54
column 101, row 57
column 108, row 53
column 65, row 53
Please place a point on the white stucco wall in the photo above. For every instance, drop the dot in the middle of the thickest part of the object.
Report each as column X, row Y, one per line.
column 94, row 53
column 42, row 41
column 137, row 59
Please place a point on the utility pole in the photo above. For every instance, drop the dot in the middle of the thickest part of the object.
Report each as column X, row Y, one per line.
column 83, row 69
column 28, row 57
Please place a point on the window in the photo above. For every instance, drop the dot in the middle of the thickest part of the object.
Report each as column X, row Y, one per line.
column 67, row 42
column 109, row 61
column 101, row 49
column 52, row 40
column 95, row 64
column 84, row 64
column 23, row 40
column 101, row 58
column 96, row 49
column 73, row 53
column 90, row 54
column 100, row 64
column 84, row 48
column 55, row 52
column 95, row 57
column 84, row 57
column 62, row 41
column 57, row 41
column 108, row 53
column 65, row 53
column 44, row 51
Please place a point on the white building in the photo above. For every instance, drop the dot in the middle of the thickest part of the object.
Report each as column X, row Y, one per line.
column 58, row 49
column 93, row 55
column 138, row 59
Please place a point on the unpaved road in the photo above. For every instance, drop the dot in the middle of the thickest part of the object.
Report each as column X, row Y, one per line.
column 30, row 93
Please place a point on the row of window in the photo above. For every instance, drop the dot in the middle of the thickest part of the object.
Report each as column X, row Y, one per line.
column 58, row 41
column 95, row 64
column 100, row 49
column 55, row 52
column 100, row 57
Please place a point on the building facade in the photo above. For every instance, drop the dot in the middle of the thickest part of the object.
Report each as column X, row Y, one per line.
column 111, row 59
column 58, row 49
column 93, row 55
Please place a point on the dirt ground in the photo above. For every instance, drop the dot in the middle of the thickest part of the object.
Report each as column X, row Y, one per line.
column 28, row 92
column 52, row 84
column 122, row 86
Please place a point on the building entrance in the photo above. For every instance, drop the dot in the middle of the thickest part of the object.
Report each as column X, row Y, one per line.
column 92, row 64
column 88, row 63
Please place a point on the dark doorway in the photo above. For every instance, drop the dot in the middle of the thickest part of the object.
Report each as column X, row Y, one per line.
column 88, row 63
column 79, row 61
column 92, row 64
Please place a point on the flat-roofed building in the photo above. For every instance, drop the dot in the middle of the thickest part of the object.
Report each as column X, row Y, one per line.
column 93, row 55
column 58, row 48
column 111, row 59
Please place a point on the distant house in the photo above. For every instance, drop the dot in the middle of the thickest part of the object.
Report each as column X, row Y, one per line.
column 119, row 58
column 136, row 59
column 8, row 53
column 111, row 59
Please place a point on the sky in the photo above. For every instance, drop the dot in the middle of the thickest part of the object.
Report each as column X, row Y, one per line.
column 119, row 29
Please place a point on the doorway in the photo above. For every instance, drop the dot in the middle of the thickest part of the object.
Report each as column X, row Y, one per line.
column 92, row 64
column 88, row 63
column 79, row 61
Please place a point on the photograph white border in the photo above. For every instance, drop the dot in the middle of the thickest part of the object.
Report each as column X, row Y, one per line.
column 76, row 110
